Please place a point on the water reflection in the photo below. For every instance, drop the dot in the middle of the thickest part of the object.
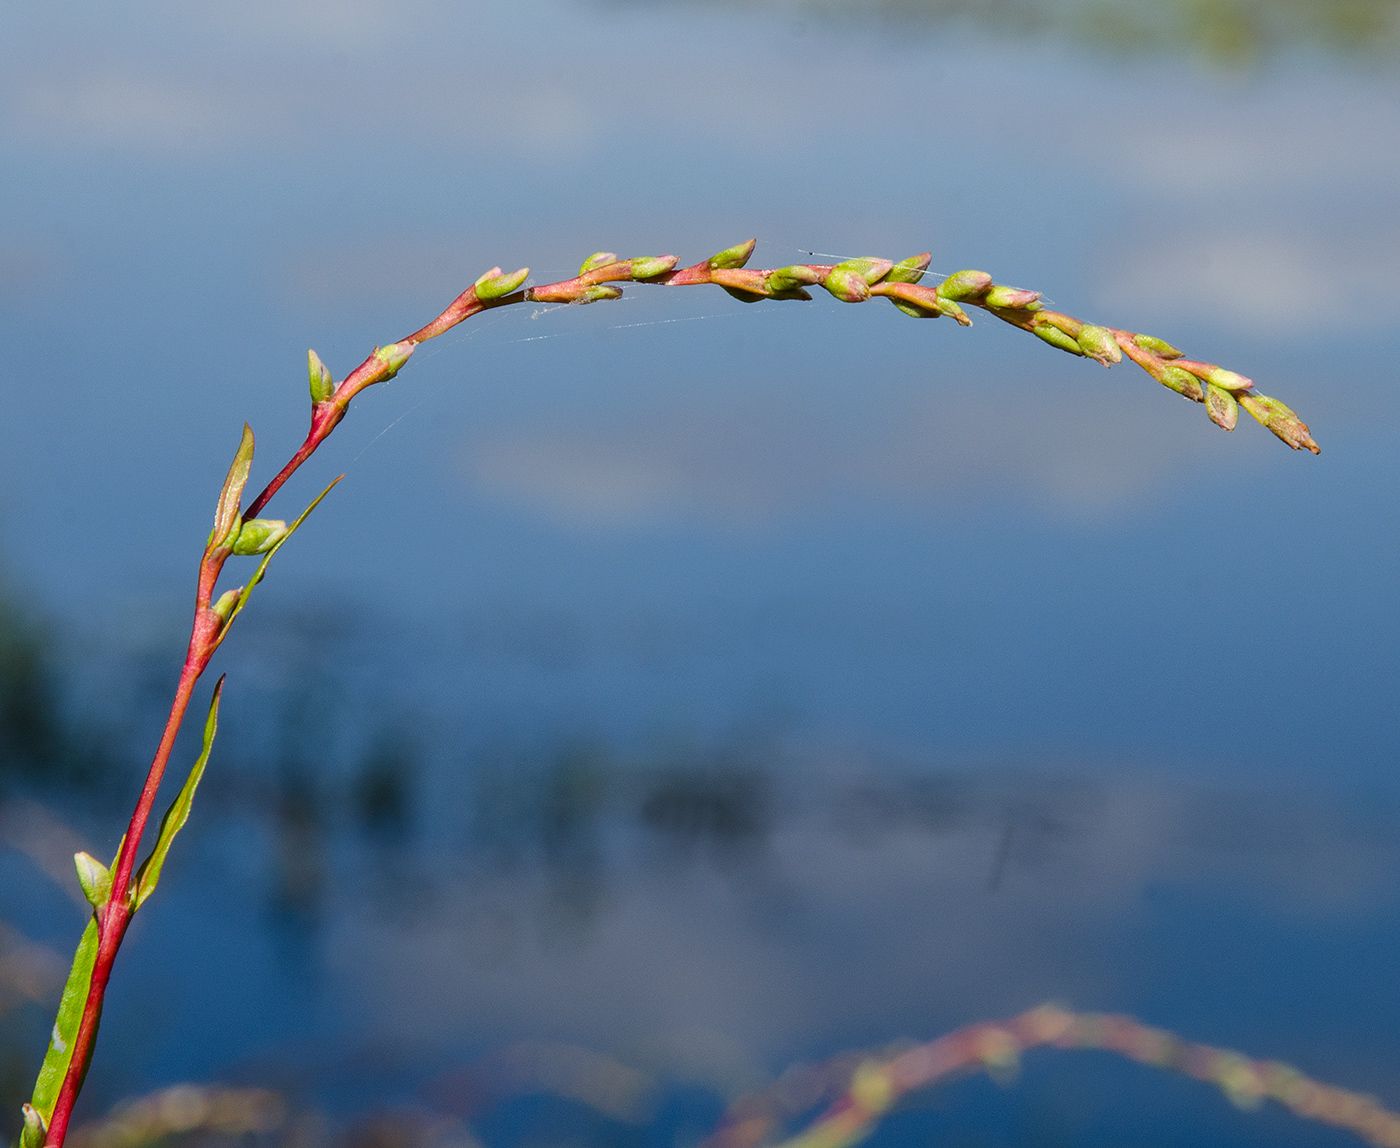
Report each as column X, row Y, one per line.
column 1226, row 32
column 701, row 912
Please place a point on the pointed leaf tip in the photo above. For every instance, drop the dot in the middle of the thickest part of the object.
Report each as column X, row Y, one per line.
column 231, row 496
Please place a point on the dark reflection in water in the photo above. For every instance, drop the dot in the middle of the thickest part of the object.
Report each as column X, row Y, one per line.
column 1226, row 32
column 476, row 938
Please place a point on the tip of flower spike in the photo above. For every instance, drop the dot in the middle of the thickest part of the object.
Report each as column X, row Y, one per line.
column 735, row 256
column 1280, row 419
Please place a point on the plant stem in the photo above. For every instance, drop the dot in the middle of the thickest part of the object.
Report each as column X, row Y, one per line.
column 115, row 918
column 853, row 281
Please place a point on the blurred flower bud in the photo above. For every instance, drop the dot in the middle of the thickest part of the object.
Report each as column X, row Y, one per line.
column 34, row 1131
column 1056, row 338
column 1182, row 382
column 871, row 1087
column 227, row 600
column 1221, row 406
column 394, row 356
column 1236, row 1077
column 596, row 260
column 999, row 1053
column 1013, row 298
column 909, row 270
column 493, row 284
column 735, row 256
column 1158, row 347
column 873, row 270
column 1100, row 345
column 847, row 284
column 791, row 278
column 322, row 384
column 965, row 285
column 259, row 535
column 651, row 266
column 95, row 879
column 600, row 291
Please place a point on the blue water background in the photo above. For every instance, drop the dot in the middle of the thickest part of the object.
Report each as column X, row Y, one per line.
column 747, row 683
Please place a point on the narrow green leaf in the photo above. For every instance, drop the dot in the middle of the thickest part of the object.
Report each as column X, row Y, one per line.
column 257, row 577
column 65, row 1029
column 231, row 496
column 179, row 812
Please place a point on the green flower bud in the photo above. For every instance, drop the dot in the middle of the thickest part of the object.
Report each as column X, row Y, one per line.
column 322, row 384
column 909, row 270
column 95, row 878
column 1182, row 382
column 35, row 1130
column 1221, row 406
column 916, row 311
column 1012, row 298
column 1280, row 419
column 847, row 284
column 227, row 600
column 792, row 278
column 965, row 285
column 735, row 256
column 648, row 267
column 1100, row 345
column 600, row 291
column 953, row 311
column 1228, row 380
column 1056, row 338
column 493, row 284
column 259, row 535
column 1159, row 347
column 873, row 270
column 596, row 260
column 394, row 356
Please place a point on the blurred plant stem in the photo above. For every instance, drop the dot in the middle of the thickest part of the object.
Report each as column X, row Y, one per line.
column 117, row 893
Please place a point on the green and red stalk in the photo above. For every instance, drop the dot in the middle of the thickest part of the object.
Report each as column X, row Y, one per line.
column 852, row 281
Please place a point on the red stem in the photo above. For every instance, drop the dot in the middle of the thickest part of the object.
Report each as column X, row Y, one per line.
column 325, row 416
column 112, row 923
